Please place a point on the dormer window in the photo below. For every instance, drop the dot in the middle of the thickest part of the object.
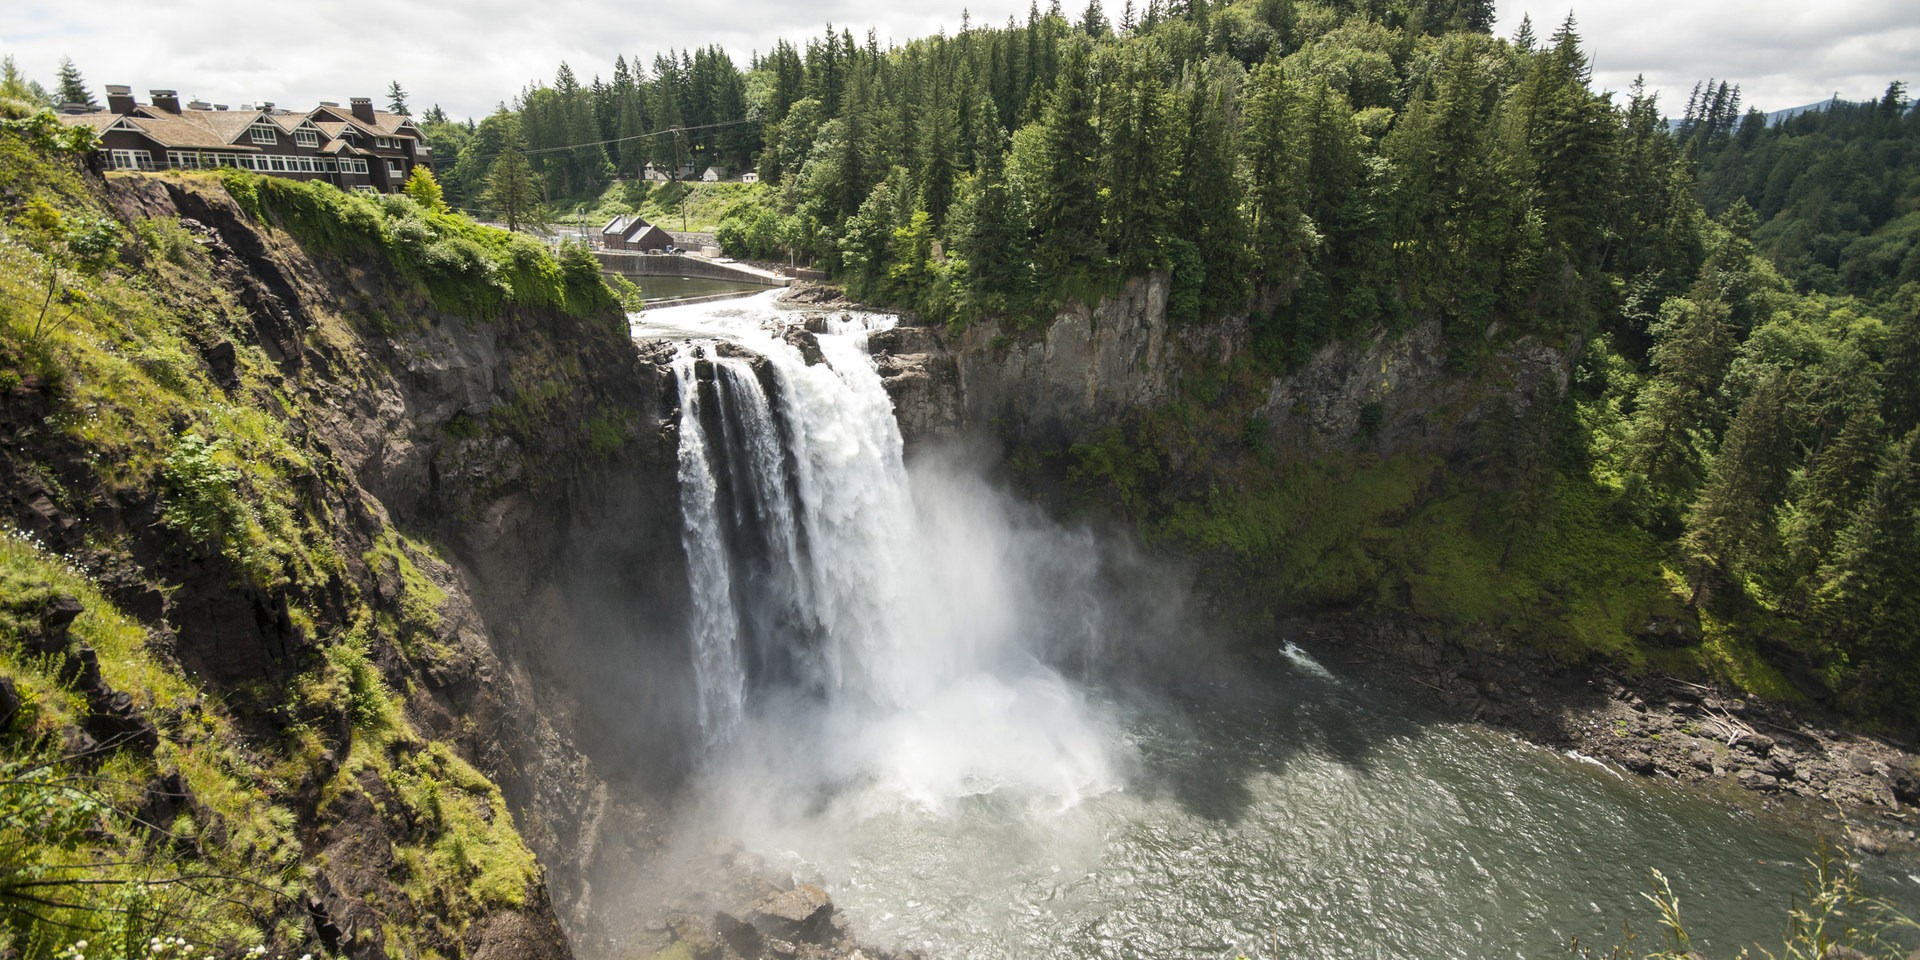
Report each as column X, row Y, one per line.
column 306, row 138
column 265, row 133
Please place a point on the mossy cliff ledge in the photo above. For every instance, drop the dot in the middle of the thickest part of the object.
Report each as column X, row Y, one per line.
column 352, row 513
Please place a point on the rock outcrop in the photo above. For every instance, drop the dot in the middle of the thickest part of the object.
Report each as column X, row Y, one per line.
column 1092, row 368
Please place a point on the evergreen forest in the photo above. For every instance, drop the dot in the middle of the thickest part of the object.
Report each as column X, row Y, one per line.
column 1744, row 295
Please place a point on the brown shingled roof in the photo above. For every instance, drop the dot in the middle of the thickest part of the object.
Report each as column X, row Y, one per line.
column 181, row 132
column 99, row 120
column 389, row 124
column 228, row 125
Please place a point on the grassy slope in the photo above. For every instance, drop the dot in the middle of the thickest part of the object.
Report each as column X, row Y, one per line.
column 705, row 204
column 133, row 415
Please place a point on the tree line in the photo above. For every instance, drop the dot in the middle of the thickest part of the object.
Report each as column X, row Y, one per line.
column 1743, row 293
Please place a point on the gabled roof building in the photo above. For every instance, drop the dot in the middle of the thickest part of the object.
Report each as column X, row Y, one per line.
column 355, row 148
column 633, row 233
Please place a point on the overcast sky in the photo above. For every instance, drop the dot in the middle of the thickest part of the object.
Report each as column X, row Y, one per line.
column 468, row 55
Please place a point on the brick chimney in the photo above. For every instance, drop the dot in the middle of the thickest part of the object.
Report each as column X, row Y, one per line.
column 168, row 100
column 120, row 98
column 363, row 109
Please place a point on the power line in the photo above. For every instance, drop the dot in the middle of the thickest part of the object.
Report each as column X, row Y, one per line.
column 670, row 131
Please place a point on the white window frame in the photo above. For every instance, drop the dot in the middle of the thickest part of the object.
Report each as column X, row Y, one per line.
column 131, row 159
column 386, row 143
column 264, row 133
column 394, row 170
column 307, row 138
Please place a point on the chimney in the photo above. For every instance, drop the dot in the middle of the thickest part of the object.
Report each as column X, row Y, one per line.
column 363, row 109
column 199, row 105
column 168, row 100
column 219, row 106
column 266, row 106
column 120, row 98
column 329, row 103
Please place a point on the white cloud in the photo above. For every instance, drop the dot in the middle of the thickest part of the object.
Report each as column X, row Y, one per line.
column 1781, row 53
column 466, row 56
column 471, row 54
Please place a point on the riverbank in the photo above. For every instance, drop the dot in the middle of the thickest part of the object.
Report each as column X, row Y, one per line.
column 1861, row 792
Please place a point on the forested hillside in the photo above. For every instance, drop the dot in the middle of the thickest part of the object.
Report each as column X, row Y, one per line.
column 1736, row 454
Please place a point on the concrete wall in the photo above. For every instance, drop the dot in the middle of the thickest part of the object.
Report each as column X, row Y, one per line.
column 668, row 265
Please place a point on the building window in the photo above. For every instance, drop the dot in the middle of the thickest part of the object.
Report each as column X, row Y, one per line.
column 131, row 159
column 306, row 138
column 394, row 171
column 264, row 133
column 385, row 143
column 363, row 188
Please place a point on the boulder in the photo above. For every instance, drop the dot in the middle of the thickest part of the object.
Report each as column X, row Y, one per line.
column 740, row 935
column 56, row 618
column 116, row 722
column 804, row 913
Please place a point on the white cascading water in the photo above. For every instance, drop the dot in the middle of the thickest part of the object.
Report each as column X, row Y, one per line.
column 722, row 687
column 904, row 627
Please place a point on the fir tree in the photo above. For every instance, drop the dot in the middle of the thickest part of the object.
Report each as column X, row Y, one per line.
column 397, row 100
column 72, row 88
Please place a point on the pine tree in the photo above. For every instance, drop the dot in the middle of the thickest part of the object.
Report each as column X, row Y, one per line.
column 1730, row 528
column 1093, row 22
column 512, row 189
column 1209, row 211
column 1871, row 591
column 397, row 100
column 1134, row 159
column 1066, row 205
column 1900, row 374
column 1836, row 480
column 72, row 88
column 1275, row 195
column 1523, row 38
column 1677, row 414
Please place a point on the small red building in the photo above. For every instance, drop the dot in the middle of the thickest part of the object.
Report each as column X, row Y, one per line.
column 633, row 233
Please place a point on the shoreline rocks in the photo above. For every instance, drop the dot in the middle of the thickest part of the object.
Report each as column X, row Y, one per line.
column 1859, row 791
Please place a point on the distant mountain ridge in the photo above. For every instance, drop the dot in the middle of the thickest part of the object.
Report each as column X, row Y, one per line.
column 1779, row 116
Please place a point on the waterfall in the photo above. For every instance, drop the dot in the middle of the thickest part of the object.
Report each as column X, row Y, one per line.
column 910, row 626
column 716, row 662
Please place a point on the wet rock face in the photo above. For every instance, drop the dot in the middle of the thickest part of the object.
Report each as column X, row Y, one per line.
column 1090, row 367
column 1395, row 394
column 1101, row 366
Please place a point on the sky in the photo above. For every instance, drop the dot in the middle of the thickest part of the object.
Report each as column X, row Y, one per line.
column 469, row 55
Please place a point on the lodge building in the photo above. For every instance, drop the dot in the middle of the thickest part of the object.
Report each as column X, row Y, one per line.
column 355, row 148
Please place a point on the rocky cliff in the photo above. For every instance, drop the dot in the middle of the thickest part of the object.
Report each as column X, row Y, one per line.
column 1096, row 367
column 406, row 551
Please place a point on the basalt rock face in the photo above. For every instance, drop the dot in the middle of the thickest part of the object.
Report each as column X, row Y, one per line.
column 1395, row 394
column 534, row 451
column 1091, row 367
column 1097, row 367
